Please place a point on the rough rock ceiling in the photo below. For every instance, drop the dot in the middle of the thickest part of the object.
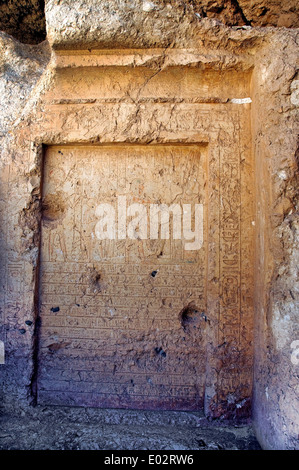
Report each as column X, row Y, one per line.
column 250, row 12
column 25, row 19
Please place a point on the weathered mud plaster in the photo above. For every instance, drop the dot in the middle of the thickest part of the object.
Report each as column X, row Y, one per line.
column 192, row 88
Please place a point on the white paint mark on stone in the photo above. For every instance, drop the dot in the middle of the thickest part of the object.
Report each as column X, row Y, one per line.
column 2, row 353
column 148, row 6
column 282, row 175
column 295, row 92
column 295, row 353
column 241, row 100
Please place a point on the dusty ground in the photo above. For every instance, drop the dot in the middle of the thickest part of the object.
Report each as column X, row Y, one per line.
column 92, row 429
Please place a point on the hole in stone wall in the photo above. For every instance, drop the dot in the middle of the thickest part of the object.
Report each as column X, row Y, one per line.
column 24, row 20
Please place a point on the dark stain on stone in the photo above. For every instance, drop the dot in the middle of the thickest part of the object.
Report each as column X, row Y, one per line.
column 94, row 279
column 55, row 309
column 201, row 443
column 160, row 352
column 204, row 317
column 56, row 346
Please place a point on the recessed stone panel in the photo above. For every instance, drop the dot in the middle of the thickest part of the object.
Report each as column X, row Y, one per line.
column 123, row 320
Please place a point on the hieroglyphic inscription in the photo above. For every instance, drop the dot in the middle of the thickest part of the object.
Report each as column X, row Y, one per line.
column 122, row 320
column 232, row 375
